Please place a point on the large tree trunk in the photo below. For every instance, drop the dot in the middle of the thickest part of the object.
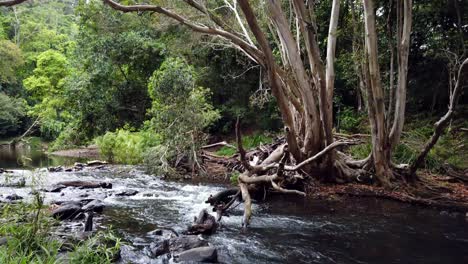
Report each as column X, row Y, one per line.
column 380, row 146
column 403, row 51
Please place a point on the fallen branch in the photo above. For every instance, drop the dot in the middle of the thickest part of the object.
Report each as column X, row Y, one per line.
column 320, row 154
column 222, row 143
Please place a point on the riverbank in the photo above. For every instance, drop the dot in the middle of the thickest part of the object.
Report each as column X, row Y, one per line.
column 89, row 152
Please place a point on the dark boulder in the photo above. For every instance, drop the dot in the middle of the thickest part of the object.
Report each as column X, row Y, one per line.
column 182, row 243
column 200, row 254
column 13, row 197
column 86, row 184
column 95, row 206
column 55, row 169
column 66, row 211
column 159, row 248
column 205, row 224
column 127, row 193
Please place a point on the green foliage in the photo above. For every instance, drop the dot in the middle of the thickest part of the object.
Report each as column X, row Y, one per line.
column 349, row 120
column 27, row 231
column 124, row 146
column 103, row 248
column 11, row 60
column 180, row 112
column 360, row 151
column 234, row 178
column 46, row 87
column 248, row 142
column 12, row 111
column 226, row 151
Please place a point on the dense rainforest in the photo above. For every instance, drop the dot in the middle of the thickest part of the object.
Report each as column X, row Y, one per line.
column 301, row 98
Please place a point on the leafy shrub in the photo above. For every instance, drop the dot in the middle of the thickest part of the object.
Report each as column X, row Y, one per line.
column 12, row 111
column 350, row 120
column 180, row 113
column 124, row 146
column 226, row 151
column 360, row 151
column 101, row 248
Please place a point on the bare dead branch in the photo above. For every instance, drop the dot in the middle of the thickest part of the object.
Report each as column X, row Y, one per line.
column 280, row 189
column 320, row 154
column 222, row 143
column 442, row 123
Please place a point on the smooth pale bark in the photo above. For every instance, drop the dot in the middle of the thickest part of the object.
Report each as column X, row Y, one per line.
column 330, row 69
column 275, row 83
column 380, row 146
column 402, row 83
column 311, row 115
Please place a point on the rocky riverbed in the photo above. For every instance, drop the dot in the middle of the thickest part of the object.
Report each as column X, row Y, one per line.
column 147, row 211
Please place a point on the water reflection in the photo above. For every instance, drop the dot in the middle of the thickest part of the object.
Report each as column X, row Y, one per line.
column 30, row 156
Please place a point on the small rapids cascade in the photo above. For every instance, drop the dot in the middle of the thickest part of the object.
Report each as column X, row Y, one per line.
column 285, row 229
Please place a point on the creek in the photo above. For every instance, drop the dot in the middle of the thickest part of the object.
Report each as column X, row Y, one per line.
column 284, row 229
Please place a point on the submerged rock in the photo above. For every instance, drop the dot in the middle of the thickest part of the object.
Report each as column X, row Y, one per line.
column 66, row 211
column 200, row 254
column 182, row 243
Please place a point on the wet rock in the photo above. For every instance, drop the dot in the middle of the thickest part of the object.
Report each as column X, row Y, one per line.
column 55, row 169
column 86, row 184
column 127, row 193
column 95, row 206
column 3, row 241
column 69, row 169
column 182, row 243
column 200, row 254
column 55, row 188
column 5, row 171
column 205, row 224
column 79, row 165
column 66, row 211
column 158, row 249
column 13, row 197
column 156, row 232
column 132, row 253
column 96, row 163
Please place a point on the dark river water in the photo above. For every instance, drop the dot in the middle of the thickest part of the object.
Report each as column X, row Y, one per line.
column 283, row 229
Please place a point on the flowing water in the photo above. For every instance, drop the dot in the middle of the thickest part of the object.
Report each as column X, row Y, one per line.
column 283, row 229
